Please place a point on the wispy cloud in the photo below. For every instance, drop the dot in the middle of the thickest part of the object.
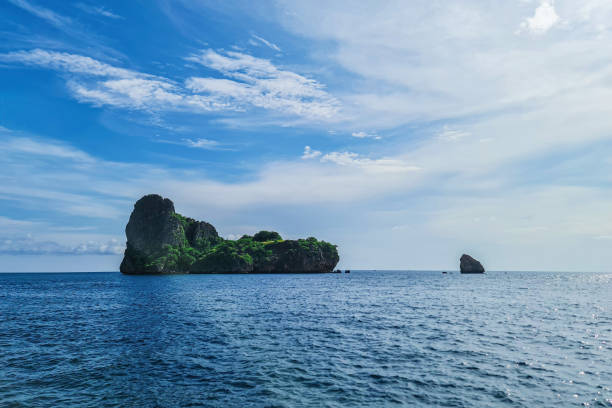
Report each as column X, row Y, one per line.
column 382, row 165
column 42, row 12
column 451, row 135
column 365, row 135
column 32, row 147
column 201, row 143
column 7, row 223
column 264, row 42
column 198, row 143
column 97, row 10
column 354, row 160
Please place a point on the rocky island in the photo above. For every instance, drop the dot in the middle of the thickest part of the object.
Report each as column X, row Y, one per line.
column 467, row 264
column 161, row 241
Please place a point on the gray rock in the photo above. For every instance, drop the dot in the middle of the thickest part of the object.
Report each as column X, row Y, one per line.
column 152, row 227
column 467, row 264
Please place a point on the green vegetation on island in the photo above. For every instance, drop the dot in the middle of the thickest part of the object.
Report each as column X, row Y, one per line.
column 159, row 240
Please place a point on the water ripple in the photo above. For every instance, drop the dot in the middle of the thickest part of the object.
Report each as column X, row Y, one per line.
column 366, row 339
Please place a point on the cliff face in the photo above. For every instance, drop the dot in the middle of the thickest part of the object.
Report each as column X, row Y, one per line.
column 151, row 229
column 304, row 255
column 467, row 264
column 161, row 241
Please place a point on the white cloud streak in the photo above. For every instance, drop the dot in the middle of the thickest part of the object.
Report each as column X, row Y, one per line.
column 43, row 13
column 197, row 143
column 267, row 43
column 97, row 10
column 62, row 61
column 31, row 147
column 375, row 166
column 452, row 135
column 365, row 135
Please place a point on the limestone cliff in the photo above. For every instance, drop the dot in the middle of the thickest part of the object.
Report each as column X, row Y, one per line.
column 161, row 241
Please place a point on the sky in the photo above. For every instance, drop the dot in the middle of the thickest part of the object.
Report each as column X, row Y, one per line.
column 405, row 132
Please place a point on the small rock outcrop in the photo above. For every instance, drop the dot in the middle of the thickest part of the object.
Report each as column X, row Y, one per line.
column 467, row 264
column 161, row 241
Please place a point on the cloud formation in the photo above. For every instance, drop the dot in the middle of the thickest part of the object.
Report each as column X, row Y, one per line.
column 544, row 19
column 259, row 83
column 309, row 153
column 503, row 135
column 255, row 83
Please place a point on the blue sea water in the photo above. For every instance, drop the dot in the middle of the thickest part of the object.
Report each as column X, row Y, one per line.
column 365, row 339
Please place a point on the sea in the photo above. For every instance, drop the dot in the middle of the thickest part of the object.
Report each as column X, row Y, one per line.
column 364, row 339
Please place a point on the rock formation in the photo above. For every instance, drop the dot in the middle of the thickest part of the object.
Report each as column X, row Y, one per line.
column 161, row 241
column 467, row 264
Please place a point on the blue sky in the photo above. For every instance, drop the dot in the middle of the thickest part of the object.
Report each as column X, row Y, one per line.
column 405, row 132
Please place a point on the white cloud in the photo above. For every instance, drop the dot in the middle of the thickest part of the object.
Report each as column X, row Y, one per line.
column 341, row 158
column 544, row 19
column 41, row 12
column 309, row 153
column 259, row 83
column 197, row 143
column 97, row 10
column 364, row 135
column 62, row 61
column 266, row 42
column 136, row 93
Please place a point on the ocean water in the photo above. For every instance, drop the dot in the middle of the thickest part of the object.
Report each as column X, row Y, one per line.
column 365, row 339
